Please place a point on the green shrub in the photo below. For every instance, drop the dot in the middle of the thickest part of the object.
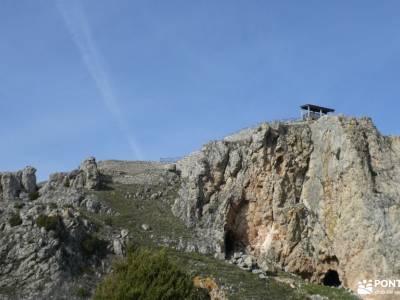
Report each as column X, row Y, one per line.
column 93, row 245
column 33, row 195
column 147, row 275
column 15, row 220
column 19, row 205
column 87, row 270
column 53, row 205
column 82, row 293
column 48, row 222
column 108, row 221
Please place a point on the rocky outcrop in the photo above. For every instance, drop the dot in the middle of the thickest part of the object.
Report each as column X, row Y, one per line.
column 44, row 241
column 15, row 185
column 86, row 177
column 60, row 236
column 313, row 198
column 90, row 174
column 28, row 179
column 10, row 185
column 209, row 284
column 120, row 243
column 42, row 251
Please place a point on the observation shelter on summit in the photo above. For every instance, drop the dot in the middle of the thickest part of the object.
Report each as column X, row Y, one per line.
column 314, row 112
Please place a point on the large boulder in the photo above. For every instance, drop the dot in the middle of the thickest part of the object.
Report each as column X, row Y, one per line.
column 91, row 175
column 28, row 179
column 11, row 185
column 16, row 185
column 87, row 176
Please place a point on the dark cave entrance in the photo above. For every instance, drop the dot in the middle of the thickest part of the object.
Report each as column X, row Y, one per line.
column 229, row 244
column 331, row 278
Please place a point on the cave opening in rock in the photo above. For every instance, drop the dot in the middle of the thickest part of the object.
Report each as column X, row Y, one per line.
column 331, row 278
column 229, row 244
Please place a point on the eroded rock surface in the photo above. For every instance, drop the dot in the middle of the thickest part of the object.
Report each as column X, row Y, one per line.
column 86, row 176
column 58, row 236
column 45, row 243
column 18, row 185
column 320, row 199
column 312, row 198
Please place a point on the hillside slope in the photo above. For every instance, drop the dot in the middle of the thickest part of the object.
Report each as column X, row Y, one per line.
column 267, row 213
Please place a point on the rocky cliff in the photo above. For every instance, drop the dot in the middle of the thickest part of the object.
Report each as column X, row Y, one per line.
column 45, row 242
column 58, row 238
column 320, row 199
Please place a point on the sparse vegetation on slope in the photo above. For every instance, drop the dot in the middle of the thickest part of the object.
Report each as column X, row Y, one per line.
column 48, row 222
column 138, row 210
column 33, row 195
column 237, row 283
column 147, row 275
column 92, row 244
column 15, row 220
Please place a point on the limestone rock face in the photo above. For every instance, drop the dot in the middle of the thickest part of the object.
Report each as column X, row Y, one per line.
column 91, row 174
column 37, row 261
column 87, row 176
column 307, row 197
column 45, row 242
column 16, row 185
column 28, row 179
column 11, row 185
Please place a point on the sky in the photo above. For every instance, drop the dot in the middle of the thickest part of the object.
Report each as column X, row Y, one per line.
column 144, row 79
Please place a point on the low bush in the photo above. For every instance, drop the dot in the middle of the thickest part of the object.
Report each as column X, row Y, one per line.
column 33, row 195
column 15, row 220
column 53, row 205
column 93, row 245
column 148, row 275
column 81, row 292
column 19, row 205
column 108, row 221
column 48, row 222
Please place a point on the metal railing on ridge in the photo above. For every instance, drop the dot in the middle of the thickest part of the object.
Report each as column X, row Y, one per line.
column 170, row 159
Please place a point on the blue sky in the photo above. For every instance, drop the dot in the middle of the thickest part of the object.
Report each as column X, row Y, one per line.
column 148, row 79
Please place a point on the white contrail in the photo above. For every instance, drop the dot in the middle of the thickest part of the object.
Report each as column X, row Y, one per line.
column 76, row 23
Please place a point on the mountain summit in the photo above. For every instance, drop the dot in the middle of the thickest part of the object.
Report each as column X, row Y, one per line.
column 295, row 203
